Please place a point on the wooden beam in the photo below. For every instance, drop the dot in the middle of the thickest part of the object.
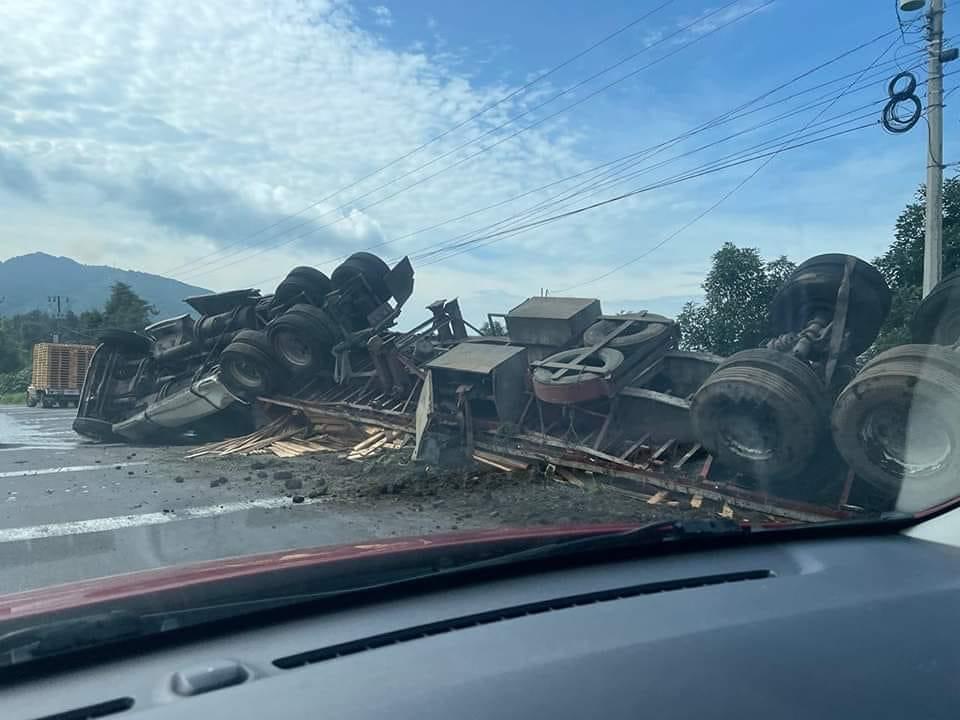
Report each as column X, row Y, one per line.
column 636, row 446
column 660, row 451
column 689, row 454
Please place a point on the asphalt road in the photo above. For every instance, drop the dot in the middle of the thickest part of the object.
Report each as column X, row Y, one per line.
column 72, row 509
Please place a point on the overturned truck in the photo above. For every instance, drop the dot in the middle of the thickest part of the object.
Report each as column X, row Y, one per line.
column 202, row 376
column 790, row 428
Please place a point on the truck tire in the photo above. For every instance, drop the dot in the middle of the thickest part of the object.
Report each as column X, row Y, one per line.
column 247, row 366
column 762, row 413
column 304, row 283
column 94, row 428
column 302, row 339
column 937, row 319
column 899, row 419
column 649, row 329
column 30, row 400
column 373, row 269
column 125, row 341
column 575, row 387
column 812, row 290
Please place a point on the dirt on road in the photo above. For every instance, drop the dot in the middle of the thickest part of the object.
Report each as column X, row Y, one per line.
column 477, row 496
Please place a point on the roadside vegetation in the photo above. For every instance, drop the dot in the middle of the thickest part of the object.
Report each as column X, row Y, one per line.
column 740, row 284
column 19, row 333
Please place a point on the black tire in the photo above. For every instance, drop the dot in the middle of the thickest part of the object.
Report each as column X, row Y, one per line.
column 651, row 329
column 125, row 341
column 762, row 413
column 303, row 283
column 93, row 428
column 247, row 366
column 30, row 400
column 899, row 420
column 45, row 402
column 937, row 319
column 812, row 290
column 301, row 340
column 373, row 269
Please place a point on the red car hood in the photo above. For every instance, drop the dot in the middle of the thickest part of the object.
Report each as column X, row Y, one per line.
column 138, row 584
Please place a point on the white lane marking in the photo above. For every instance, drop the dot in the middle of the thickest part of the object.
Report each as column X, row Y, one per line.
column 119, row 522
column 68, row 469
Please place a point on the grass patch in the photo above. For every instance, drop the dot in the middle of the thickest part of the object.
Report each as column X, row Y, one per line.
column 12, row 398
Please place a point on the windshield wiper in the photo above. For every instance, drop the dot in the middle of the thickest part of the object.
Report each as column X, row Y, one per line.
column 639, row 538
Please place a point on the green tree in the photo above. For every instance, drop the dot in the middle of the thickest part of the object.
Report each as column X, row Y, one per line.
column 738, row 291
column 125, row 309
column 493, row 328
column 902, row 264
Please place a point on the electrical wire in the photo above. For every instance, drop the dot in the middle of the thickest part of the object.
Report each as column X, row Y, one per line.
column 710, row 169
column 730, row 192
column 448, row 244
column 591, row 173
column 700, row 38
column 522, row 89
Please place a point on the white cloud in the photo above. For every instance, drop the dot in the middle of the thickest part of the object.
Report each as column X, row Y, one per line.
column 382, row 15
column 152, row 135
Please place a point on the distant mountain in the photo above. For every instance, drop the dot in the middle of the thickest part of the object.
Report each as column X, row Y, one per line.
column 28, row 280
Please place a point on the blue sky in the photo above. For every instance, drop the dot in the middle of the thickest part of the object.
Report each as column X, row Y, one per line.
column 180, row 138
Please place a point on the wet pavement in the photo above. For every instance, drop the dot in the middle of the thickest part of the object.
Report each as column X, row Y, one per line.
column 72, row 509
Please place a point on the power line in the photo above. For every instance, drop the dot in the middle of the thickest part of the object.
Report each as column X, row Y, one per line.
column 699, row 38
column 731, row 192
column 453, row 128
column 444, row 246
column 709, row 169
column 615, row 176
column 727, row 116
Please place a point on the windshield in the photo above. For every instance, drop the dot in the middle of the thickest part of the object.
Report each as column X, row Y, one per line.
column 279, row 276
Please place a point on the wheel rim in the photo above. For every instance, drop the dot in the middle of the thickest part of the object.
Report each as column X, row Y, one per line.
column 749, row 431
column 911, row 444
column 247, row 373
column 293, row 350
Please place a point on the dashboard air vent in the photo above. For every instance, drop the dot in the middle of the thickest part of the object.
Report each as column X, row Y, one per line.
column 485, row 618
column 89, row 712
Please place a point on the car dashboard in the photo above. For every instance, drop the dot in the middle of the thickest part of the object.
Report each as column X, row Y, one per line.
column 855, row 627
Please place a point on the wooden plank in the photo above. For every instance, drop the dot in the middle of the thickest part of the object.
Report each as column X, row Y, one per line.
column 373, row 439
column 509, row 462
column 658, row 498
column 727, row 511
column 663, row 449
column 736, row 498
column 689, row 454
column 705, row 468
column 696, row 501
column 491, row 463
column 636, row 446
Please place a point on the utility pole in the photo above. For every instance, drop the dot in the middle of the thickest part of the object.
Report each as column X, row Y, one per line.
column 58, row 300
column 933, row 247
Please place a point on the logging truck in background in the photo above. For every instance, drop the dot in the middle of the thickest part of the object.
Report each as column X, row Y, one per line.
column 58, row 373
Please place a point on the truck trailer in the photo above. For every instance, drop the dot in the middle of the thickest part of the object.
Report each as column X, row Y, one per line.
column 58, row 373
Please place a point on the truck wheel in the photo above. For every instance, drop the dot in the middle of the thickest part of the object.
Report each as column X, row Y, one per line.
column 302, row 339
column 649, row 328
column 373, row 269
column 761, row 413
column 45, row 401
column 306, row 282
column 247, row 366
column 812, row 290
column 31, row 400
column 937, row 319
column 93, row 428
column 125, row 341
column 899, row 419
